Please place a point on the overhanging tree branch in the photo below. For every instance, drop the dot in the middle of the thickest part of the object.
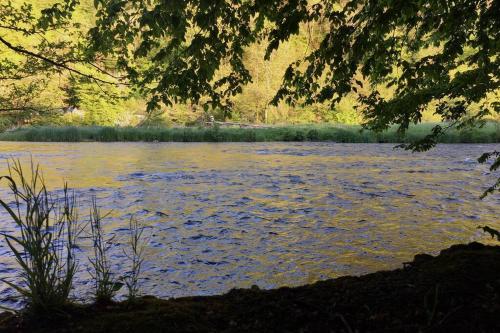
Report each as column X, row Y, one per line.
column 52, row 62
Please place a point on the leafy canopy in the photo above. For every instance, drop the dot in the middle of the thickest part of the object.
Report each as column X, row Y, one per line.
column 443, row 53
column 42, row 51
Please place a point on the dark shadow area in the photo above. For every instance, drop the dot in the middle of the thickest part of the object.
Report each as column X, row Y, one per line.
column 456, row 291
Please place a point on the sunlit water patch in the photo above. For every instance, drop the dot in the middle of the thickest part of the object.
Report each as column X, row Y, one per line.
column 232, row 215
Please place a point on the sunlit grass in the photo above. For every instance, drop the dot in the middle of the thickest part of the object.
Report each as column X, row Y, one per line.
column 490, row 133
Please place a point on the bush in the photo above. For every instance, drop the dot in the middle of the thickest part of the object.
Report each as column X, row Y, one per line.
column 71, row 134
column 313, row 135
column 108, row 134
column 289, row 136
column 213, row 135
column 250, row 136
column 6, row 122
column 299, row 136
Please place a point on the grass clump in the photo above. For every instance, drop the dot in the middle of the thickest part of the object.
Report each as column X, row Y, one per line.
column 44, row 247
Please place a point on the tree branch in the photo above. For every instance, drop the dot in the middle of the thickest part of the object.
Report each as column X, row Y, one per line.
column 51, row 62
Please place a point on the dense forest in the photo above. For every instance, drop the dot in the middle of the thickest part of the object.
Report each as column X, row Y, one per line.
column 47, row 97
column 63, row 98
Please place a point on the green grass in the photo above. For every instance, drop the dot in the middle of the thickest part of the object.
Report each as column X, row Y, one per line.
column 338, row 133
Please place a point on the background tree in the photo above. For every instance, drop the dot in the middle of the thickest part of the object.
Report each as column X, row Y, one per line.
column 42, row 55
column 46, row 93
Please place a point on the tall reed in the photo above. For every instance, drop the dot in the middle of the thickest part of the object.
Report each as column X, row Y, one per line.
column 43, row 246
column 137, row 245
column 106, row 285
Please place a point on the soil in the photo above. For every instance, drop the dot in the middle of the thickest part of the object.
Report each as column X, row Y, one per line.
column 456, row 291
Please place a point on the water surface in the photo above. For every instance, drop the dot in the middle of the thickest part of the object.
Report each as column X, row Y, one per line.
column 232, row 215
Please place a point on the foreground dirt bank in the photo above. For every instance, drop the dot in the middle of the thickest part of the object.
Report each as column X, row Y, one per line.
column 456, row 291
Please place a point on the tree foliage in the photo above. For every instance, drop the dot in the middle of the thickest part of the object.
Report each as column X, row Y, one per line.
column 441, row 52
column 45, row 92
column 42, row 50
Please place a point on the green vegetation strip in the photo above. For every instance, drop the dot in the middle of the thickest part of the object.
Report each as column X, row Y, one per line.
column 490, row 133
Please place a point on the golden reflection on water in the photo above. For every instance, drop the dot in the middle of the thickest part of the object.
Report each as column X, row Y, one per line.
column 232, row 215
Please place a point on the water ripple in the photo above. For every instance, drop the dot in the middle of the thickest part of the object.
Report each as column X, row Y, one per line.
column 233, row 215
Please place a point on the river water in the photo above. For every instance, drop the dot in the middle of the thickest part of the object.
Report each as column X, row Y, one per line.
column 229, row 215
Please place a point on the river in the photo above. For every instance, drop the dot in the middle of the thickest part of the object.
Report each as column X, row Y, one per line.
column 229, row 215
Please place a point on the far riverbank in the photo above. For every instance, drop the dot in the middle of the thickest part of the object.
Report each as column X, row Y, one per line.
column 490, row 133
